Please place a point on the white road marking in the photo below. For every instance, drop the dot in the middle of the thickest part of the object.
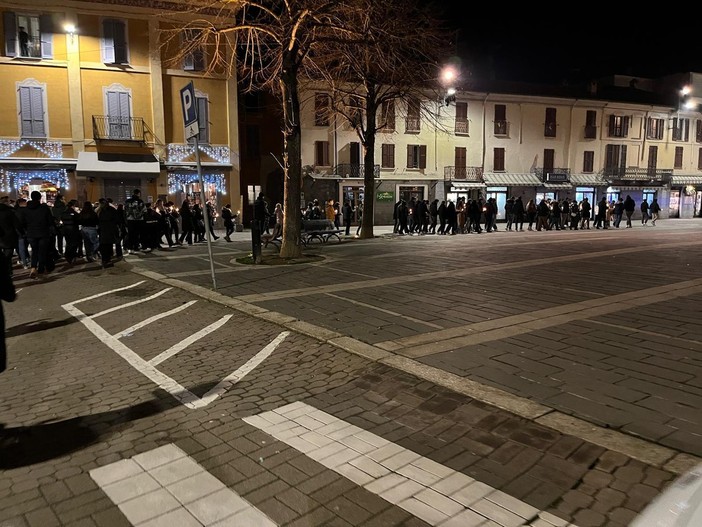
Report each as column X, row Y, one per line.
column 430, row 491
column 165, row 486
column 386, row 311
column 150, row 320
column 130, row 304
column 180, row 346
column 187, row 398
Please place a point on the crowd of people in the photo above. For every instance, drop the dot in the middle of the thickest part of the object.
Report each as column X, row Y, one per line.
column 40, row 236
column 467, row 216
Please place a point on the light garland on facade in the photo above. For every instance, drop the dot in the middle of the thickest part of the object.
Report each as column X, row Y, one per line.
column 178, row 153
column 17, row 179
column 178, row 181
column 52, row 149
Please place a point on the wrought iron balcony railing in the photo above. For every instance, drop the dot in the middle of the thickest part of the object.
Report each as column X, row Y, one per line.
column 553, row 175
column 463, row 173
column 110, row 128
column 655, row 175
column 461, row 126
column 358, row 171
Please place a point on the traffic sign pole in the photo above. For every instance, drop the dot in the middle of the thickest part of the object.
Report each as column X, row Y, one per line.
column 208, row 232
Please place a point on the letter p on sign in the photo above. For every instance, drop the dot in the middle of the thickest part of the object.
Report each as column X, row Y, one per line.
column 187, row 100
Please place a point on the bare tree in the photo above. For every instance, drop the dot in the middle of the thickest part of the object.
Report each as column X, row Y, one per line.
column 271, row 43
column 396, row 56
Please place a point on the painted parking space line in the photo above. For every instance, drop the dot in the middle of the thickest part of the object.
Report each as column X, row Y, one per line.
column 149, row 370
column 386, row 311
column 166, row 487
column 130, row 304
column 430, row 491
column 151, row 320
column 180, row 346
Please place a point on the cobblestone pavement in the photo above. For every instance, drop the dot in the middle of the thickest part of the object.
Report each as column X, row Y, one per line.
column 561, row 368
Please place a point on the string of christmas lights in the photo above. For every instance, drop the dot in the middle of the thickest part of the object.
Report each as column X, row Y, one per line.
column 17, row 179
column 178, row 153
column 178, row 181
column 52, row 149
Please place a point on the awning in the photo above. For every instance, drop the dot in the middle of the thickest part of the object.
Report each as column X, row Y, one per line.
column 686, row 180
column 496, row 179
column 587, row 180
column 557, row 185
column 467, row 184
column 125, row 163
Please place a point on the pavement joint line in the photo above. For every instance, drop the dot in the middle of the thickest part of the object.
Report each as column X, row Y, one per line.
column 665, row 458
column 645, row 332
column 454, row 274
column 382, row 310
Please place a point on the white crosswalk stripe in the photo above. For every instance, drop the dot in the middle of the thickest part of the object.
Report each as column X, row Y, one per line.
column 430, row 491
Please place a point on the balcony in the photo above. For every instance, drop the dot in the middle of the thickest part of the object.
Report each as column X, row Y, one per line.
column 461, row 126
column 641, row 175
column 127, row 129
column 355, row 171
column 501, row 128
column 553, row 175
column 412, row 125
column 463, row 174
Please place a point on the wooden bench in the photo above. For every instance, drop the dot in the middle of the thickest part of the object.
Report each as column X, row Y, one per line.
column 321, row 230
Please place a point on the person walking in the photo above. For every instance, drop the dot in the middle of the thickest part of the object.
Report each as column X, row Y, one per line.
column 531, row 214
column 7, row 294
column 56, row 211
column 261, row 214
column 601, row 215
column 134, row 209
column 585, row 212
column 629, row 208
column 187, row 223
column 71, row 230
column 518, row 214
column 618, row 212
column 9, row 232
column 37, row 223
column 108, row 229
column 655, row 210
column 228, row 219
column 644, row 212
column 347, row 214
column 211, row 219
column 88, row 220
column 434, row 215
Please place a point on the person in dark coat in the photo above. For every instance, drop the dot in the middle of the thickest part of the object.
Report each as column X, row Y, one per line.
column 441, row 210
column 7, row 294
column 71, row 230
column 629, row 208
column 347, row 213
column 433, row 215
column 108, row 227
column 56, row 211
column 37, row 222
column 518, row 214
column 187, row 223
column 261, row 214
column 9, row 231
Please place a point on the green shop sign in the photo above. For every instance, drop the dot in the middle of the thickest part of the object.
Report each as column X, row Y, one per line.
column 384, row 196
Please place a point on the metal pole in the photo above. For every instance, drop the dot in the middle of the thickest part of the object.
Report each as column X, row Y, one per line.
column 203, row 205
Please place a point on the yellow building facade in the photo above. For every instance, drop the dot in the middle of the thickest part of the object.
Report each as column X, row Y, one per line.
column 93, row 106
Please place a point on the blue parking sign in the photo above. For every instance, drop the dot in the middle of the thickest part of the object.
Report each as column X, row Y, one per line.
column 187, row 100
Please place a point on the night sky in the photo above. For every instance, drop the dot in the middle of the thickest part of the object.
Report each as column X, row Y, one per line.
column 576, row 49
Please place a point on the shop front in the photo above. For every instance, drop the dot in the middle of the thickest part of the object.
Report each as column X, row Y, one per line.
column 685, row 197
column 20, row 183
column 503, row 186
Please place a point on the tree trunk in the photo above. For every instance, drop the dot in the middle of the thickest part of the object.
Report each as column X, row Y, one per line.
column 291, row 246
column 369, row 165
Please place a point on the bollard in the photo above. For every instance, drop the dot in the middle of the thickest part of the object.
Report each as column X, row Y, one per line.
column 255, row 242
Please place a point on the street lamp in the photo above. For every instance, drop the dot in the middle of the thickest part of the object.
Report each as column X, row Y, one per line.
column 449, row 77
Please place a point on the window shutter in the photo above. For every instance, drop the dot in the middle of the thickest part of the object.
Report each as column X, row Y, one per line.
column 124, row 105
column 388, row 156
column 461, row 110
column 410, row 156
column 25, row 109
column 499, row 159
column 625, row 126
column 203, row 119
column 500, row 112
column 325, row 153
column 699, row 159
column 120, row 42
column 113, row 104
column 10, row 26
column 108, row 42
column 622, row 160
column 588, row 161
column 46, row 30
column 549, row 159
column 687, row 130
column 390, row 118
column 423, row 156
column 38, row 128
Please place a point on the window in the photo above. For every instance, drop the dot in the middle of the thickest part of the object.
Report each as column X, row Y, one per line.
column 549, row 160
column 498, row 159
column 388, row 156
column 32, row 104
column 698, row 135
column 119, row 112
column 28, row 36
column 681, row 129
column 615, row 160
column 321, row 153
column 194, row 59
column 203, row 114
column 618, row 125
column 460, row 162
column 412, row 122
column 699, row 159
column 652, row 160
column 655, row 128
column 588, row 161
column 321, row 109
column 500, row 119
column 461, row 126
column 114, row 41
column 252, row 192
column 591, row 124
column 417, row 156
column 387, row 116
column 678, row 157
column 550, row 124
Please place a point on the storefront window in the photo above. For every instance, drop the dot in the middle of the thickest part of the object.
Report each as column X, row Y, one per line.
column 674, row 204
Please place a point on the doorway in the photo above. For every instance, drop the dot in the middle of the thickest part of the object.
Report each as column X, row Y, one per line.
column 354, row 195
column 120, row 189
column 500, row 195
